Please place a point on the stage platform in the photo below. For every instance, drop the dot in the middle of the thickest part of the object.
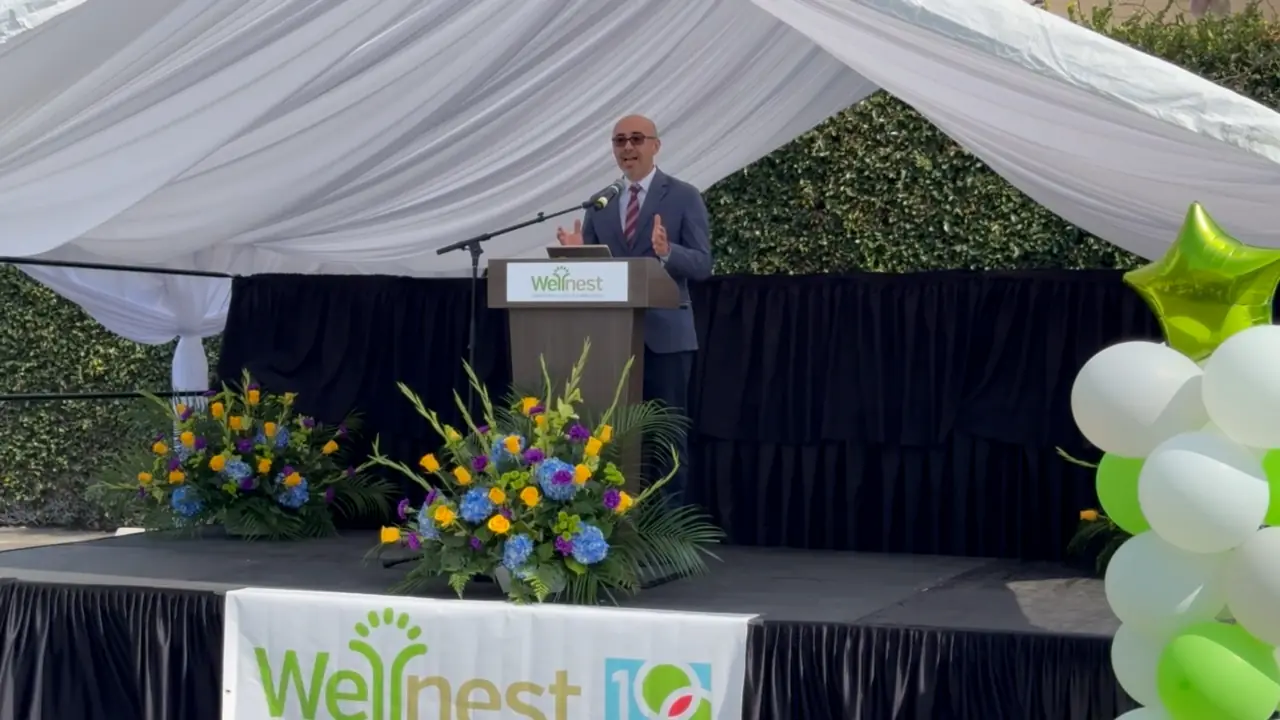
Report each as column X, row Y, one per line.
column 130, row 627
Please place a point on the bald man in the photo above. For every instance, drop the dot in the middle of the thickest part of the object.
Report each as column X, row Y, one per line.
column 660, row 217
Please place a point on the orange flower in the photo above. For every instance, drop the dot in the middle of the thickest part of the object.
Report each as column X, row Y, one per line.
column 144, row 478
column 264, row 466
column 462, row 476
column 499, row 525
column 605, row 434
column 592, row 448
column 512, row 444
column 496, row 496
column 389, row 535
column 159, row 448
column 217, row 463
column 254, row 397
column 528, row 404
column 217, row 409
column 624, row 502
column 1089, row 515
column 179, row 409
column 530, row 496
column 581, row 474
column 187, row 438
column 429, row 463
column 292, row 480
column 176, row 477
column 236, row 422
column 269, row 429
column 329, row 448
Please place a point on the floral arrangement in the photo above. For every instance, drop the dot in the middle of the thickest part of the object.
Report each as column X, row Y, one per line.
column 246, row 460
column 1097, row 536
column 532, row 496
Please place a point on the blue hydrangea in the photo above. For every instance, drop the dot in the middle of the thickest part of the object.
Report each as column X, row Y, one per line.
column 293, row 497
column 499, row 456
column 185, row 502
column 555, row 477
column 237, row 470
column 516, row 551
column 281, row 438
column 426, row 526
column 589, row 545
column 475, row 506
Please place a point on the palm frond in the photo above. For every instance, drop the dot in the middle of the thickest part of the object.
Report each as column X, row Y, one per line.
column 673, row 539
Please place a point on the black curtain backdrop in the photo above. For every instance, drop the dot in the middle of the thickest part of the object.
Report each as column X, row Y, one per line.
column 890, row 413
column 102, row 653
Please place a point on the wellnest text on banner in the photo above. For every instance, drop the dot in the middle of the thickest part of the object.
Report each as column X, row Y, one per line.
column 332, row 656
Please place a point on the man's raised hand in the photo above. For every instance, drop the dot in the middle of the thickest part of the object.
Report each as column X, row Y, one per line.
column 570, row 237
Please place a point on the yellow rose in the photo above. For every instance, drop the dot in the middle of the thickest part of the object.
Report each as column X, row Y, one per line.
column 236, row 422
column 429, row 463
column 217, row 463
column 499, row 525
column 512, row 444
column 187, row 438
column 292, row 480
column 176, row 477
column 254, row 397
column 530, row 496
column 624, row 503
column 264, row 466
column 1089, row 515
column 217, row 409
column 528, row 404
column 389, row 535
column 605, row 434
column 462, row 476
column 159, row 448
column 592, row 448
column 581, row 474
column 329, row 448
column 269, row 429
column 443, row 515
column 496, row 496
column 144, row 478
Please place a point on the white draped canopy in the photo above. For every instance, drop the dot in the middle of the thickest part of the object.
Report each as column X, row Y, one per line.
column 357, row 136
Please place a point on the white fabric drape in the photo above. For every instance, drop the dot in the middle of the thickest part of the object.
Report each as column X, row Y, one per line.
column 19, row 16
column 150, row 309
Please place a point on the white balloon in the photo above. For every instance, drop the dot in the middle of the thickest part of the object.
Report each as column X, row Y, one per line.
column 1203, row 492
column 1253, row 585
column 1146, row 713
column 1131, row 397
column 1242, row 386
column 1160, row 589
column 1134, row 656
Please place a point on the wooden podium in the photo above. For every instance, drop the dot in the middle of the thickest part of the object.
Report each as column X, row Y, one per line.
column 555, row 305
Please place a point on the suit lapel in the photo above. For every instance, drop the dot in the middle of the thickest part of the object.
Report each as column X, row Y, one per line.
column 644, row 226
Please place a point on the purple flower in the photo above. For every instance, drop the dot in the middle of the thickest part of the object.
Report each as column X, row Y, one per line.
column 351, row 472
column 244, row 445
column 562, row 477
column 246, row 484
column 432, row 496
column 536, row 410
column 476, row 544
column 611, row 498
column 402, row 510
column 210, row 393
column 158, row 437
column 483, row 430
column 186, row 414
column 329, row 494
column 534, row 455
column 342, row 430
column 479, row 463
column 287, row 470
column 254, row 386
column 201, row 443
column 564, row 546
column 142, row 492
column 308, row 422
column 174, row 463
column 413, row 542
column 505, row 512
column 577, row 433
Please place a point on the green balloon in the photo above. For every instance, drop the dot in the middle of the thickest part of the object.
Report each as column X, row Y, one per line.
column 1271, row 464
column 1117, row 484
column 1217, row 671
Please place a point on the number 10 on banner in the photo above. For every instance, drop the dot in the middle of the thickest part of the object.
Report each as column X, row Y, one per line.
column 644, row 690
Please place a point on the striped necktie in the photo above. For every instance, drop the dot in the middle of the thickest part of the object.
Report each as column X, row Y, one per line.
column 633, row 216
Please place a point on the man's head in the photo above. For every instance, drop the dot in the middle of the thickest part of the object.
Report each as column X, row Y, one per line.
column 635, row 144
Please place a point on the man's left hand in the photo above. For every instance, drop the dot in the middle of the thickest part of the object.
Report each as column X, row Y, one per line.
column 661, row 247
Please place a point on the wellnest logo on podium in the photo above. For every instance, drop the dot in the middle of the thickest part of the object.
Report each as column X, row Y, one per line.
column 383, row 687
column 563, row 282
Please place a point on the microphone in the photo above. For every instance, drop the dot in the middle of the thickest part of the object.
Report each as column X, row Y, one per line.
column 602, row 199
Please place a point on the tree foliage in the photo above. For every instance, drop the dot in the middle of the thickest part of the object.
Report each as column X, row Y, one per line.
column 874, row 188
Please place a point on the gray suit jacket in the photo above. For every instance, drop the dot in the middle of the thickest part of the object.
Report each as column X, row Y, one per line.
column 684, row 215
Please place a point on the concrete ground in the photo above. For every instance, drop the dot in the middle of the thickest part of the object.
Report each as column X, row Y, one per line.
column 18, row 538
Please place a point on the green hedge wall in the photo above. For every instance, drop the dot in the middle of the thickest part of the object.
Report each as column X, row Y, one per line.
column 875, row 188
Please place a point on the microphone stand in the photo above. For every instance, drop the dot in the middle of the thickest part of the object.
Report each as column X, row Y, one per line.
column 473, row 246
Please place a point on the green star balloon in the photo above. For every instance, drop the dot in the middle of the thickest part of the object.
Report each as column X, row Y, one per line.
column 1208, row 287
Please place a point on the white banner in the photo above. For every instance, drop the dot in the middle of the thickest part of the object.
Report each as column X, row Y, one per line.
column 330, row 656
column 567, row 282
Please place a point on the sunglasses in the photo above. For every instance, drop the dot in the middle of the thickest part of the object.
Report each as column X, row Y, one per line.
column 635, row 140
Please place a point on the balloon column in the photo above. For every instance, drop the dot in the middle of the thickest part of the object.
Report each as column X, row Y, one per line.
column 1191, row 432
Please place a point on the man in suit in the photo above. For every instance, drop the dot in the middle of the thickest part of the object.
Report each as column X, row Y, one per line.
column 660, row 217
